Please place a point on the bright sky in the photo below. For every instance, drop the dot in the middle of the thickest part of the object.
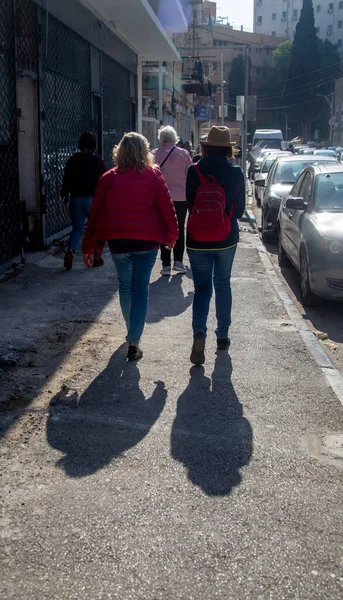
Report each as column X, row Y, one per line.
column 240, row 12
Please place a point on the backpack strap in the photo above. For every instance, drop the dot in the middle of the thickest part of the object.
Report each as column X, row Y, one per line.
column 202, row 178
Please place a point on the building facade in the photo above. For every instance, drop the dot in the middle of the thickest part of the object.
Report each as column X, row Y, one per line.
column 280, row 17
column 65, row 68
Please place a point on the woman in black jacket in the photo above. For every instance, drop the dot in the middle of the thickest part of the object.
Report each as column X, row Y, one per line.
column 211, row 261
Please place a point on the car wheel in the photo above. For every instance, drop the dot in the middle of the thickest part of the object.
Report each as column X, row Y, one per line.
column 267, row 238
column 281, row 254
column 308, row 298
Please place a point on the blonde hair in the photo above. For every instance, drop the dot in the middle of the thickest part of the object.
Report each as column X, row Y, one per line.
column 133, row 150
column 167, row 134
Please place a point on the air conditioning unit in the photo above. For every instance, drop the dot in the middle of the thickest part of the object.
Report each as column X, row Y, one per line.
column 283, row 18
column 329, row 32
column 294, row 18
column 330, row 11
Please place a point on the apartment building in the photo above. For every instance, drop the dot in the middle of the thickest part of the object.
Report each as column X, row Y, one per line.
column 280, row 17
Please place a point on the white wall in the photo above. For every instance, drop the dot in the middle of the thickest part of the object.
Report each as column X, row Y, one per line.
column 282, row 16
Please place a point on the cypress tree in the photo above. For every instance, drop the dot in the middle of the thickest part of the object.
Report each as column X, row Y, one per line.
column 304, row 73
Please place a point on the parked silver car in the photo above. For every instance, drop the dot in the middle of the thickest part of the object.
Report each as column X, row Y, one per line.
column 310, row 232
column 281, row 178
column 263, row 173
column 326, row 152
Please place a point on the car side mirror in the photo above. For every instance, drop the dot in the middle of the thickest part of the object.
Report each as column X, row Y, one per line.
column 260, row 182
column 296, row 203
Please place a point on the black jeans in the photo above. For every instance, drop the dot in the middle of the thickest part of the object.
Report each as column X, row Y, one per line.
column 179, row 248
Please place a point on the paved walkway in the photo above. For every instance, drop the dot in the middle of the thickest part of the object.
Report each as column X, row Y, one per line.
column 154, row 481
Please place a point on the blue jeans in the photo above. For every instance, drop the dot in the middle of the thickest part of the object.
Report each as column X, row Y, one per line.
column 212, row 267
column 134, row 270
column 79, row 209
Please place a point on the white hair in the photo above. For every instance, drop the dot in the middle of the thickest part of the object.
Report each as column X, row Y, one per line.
column 167, row 134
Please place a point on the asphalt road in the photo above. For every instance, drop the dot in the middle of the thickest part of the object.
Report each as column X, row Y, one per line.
column 327, row 319
column 158, row 481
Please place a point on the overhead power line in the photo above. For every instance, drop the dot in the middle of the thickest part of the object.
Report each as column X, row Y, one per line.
column 302, row 88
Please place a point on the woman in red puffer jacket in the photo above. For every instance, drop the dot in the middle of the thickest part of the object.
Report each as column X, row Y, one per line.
column 133, row 211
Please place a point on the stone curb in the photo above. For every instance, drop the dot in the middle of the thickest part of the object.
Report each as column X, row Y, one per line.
column 313, row 345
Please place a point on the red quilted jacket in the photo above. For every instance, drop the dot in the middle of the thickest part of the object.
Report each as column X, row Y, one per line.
column 131, row 205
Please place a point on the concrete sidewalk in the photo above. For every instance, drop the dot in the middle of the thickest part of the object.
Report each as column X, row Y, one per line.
column 157, row 481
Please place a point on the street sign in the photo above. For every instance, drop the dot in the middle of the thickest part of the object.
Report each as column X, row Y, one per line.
column 203, row 112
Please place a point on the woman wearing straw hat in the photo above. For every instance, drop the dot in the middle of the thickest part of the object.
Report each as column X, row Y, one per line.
column 211, row 255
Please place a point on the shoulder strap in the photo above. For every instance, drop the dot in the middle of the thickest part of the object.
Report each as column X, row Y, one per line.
column 166, row 158
column 202, row 178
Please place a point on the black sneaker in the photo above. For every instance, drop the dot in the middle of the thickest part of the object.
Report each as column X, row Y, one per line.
column 223, row 344
column 98, row 262
column 198, row 350
column 68, row 260
column 134, row 353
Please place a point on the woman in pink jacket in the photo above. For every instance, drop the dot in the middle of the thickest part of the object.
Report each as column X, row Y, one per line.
column 174, row 163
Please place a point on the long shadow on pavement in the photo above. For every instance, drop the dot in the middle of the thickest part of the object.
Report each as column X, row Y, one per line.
column 110, row 417
column 210, row 435
column 167, row 299
column 43, row 313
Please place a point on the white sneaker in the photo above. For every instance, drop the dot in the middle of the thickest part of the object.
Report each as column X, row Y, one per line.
column 179, row 267
column 166, row 271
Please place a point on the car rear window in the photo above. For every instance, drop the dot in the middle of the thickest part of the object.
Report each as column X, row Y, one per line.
column 328, row 195
column 287, row 172
column 268, row 165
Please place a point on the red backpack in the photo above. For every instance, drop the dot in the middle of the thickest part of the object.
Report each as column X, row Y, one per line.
column 208, row 221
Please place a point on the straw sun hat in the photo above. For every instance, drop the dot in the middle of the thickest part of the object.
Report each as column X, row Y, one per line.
column 219, row 136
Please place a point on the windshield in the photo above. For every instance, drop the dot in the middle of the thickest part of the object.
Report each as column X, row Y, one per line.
column 328, row 195
column 272, row 144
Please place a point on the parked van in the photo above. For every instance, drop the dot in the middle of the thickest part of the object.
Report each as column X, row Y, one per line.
column 268, row 138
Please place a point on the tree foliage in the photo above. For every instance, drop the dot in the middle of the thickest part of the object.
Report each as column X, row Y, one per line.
column 330, row 64
column 304, row 81
column 281, row 60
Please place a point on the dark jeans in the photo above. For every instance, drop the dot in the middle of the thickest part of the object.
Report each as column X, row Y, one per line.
column 79, row 208
column 212, row 268
column 179, row 248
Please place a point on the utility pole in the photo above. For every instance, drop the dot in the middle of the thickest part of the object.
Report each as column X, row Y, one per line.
column 222, row 85
column 330, row 102
column 245, row 126
column 331, row 117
